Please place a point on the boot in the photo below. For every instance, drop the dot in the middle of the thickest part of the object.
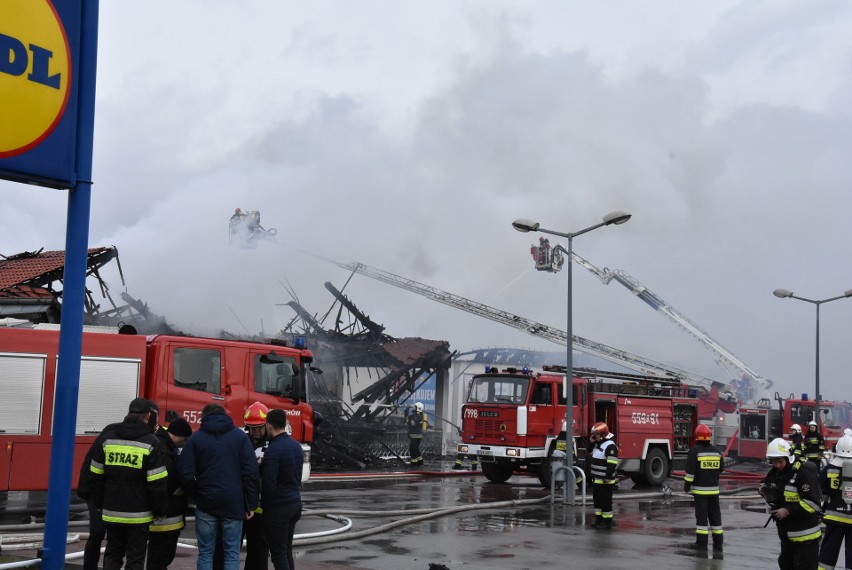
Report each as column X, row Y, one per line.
column 457, row 467
column 598, row 522
column 718, row 539
column 607, row 523
column 700, row 542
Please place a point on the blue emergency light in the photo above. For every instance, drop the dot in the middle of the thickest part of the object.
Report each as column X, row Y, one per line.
column 300, row 342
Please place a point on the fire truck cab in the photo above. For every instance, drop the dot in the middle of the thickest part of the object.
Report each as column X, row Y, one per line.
column 514, row 420
column 761, row 423
column 181, row 374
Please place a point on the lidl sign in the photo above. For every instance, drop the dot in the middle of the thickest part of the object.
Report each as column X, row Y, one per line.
column 39, row 92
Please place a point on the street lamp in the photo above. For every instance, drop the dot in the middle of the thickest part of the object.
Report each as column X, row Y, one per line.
column 524, row 225
column 786, row 294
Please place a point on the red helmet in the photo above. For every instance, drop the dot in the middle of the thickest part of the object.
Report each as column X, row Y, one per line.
column 255, row 415
column 601, row 429
column 238, row 211
column 703, row 433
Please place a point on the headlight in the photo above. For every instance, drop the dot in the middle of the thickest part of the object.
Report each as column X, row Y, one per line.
column 511, row 452
column 462, row 448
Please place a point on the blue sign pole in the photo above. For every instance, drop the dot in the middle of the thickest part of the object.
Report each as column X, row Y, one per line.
column 73, row 295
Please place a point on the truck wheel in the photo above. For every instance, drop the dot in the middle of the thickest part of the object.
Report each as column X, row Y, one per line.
column 497, row 472
column 656, row 467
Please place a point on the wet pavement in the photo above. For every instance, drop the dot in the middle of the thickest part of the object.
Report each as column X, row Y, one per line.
column 652, row 531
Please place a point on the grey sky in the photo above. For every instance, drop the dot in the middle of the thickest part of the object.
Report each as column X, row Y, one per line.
column 409, row 136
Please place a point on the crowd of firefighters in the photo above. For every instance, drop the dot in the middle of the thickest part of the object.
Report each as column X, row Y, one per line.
column 138, row 478
column 804, row 495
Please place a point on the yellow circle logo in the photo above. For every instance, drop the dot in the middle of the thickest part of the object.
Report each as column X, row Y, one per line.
column 35, row 73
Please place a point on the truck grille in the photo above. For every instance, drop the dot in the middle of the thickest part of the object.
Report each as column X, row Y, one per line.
column 491, row 428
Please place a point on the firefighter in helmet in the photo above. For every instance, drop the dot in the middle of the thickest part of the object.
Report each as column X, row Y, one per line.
column 703, row 467
column 417, row 422
column 794, row 498
column 797, row 444
column 836, row 482
column 257, row 551
column 814, row 444
column 604, row 461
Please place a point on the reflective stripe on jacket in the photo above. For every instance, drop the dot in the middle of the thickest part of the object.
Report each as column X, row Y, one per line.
column 703, row 467
column 604, row 461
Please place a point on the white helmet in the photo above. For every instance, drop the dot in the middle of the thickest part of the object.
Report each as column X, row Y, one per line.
column 778, row 447
column 844, row 447
column 796, row 428
column 813, row 423
column 418, row 407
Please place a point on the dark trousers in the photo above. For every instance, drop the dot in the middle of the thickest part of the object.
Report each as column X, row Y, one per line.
column 707, row 509
column 97, row 532
column 798, row 555
column 162, row 547
column 832, row 538
column 257, row 551
column 125, row 540
column 279, row 525
column 602, row 498
column 414, row 449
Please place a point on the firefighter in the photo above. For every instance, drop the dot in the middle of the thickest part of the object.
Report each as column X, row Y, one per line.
column 794, row 498
column 703, row 467
column 257, row 550
column 814, row 444
column 165, row 531
column 129, row 484
column 417, row 423
column 238, row 216
column 604, row 462
column 835, row 478
column 797, row 444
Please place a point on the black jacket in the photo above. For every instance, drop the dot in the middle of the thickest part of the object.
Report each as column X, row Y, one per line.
column 281, row 473
column 798, row 491
column 837, row 512
column 703, row 466
column 129, row 477
column 178, row 499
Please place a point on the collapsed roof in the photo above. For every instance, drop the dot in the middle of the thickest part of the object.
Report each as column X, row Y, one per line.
column 31, row 285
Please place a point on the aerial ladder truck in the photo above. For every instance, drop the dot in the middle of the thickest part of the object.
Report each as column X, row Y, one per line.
column 711, row 397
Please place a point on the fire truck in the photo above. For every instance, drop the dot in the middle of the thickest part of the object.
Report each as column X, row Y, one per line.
column 761, row 423
column 181, row 374
column 514, row 420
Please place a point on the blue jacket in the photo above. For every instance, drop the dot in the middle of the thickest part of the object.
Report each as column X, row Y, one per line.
column 218, row 469
column 281, row 472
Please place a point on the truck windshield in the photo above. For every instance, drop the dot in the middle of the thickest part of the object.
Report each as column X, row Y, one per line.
column 498, row 390
column 834, row 416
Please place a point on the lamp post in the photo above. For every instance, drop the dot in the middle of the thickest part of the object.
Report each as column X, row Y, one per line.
column 786, row 294
column 524, row 225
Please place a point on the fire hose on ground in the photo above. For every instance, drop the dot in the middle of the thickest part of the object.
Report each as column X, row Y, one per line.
column 344, row 531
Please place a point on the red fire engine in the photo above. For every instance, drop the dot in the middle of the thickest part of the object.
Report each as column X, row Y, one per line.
column 513, row 420
column 181, row 374
column 761, row 423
